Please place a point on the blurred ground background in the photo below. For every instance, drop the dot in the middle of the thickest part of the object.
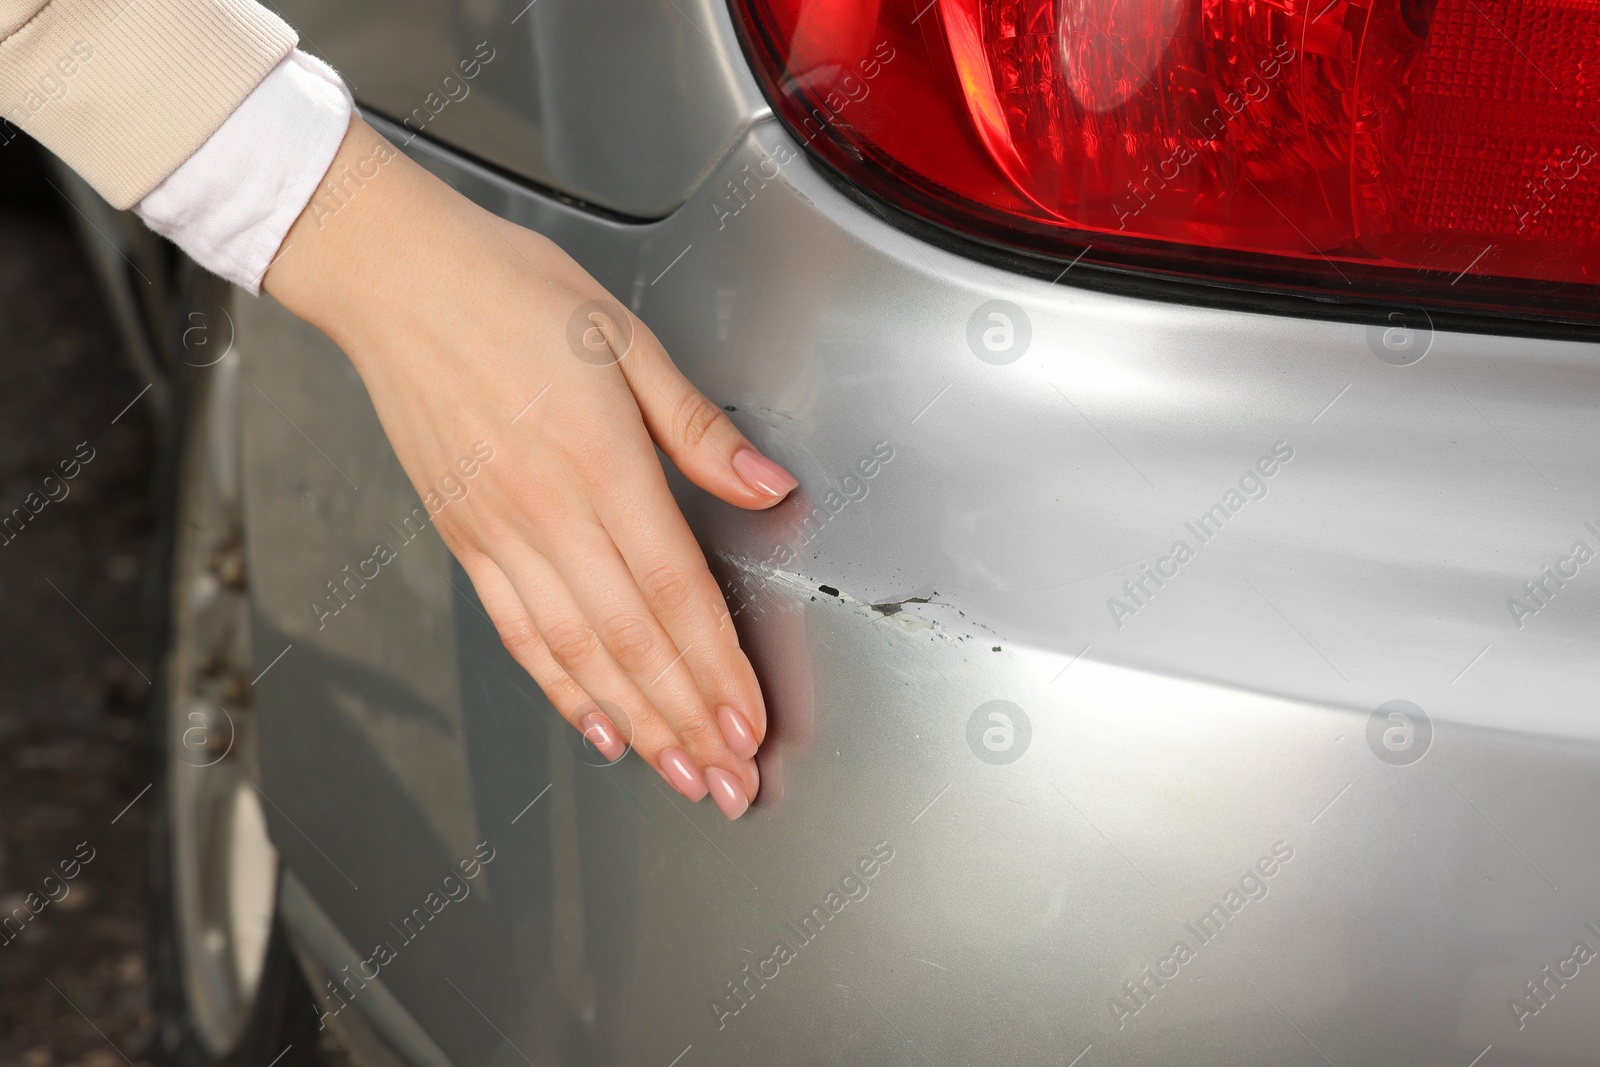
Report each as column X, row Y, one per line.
column 77, row 651
column 72, row 736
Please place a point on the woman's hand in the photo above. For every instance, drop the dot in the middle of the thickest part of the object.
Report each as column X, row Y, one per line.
column 458, row 323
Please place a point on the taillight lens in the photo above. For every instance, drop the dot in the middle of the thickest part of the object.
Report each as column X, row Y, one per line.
column 1441, row 152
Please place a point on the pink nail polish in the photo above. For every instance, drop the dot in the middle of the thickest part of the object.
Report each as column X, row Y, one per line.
column 727, row 792
column 761, row 474
column 681, row 773
column 736, row 731
column 598, row 731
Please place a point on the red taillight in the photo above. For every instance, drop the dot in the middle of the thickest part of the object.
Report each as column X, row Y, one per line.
column 1434, row 151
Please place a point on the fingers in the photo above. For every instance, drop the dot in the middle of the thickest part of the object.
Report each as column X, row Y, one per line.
column 670, row 570
column 689, row 605
column 657, row 662
column 696, row 434
column 522, row 640
column 641, row 727
column 598, row 630
column 643, row 527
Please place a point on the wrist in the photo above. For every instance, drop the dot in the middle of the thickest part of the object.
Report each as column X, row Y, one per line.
column 355, row 262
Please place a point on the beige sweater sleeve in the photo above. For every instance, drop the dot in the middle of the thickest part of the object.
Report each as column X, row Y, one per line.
column 125, row 90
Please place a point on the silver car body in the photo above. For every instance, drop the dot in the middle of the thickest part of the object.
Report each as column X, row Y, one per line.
column 1040, row 787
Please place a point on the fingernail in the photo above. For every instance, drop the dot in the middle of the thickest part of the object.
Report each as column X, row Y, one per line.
column 681, row 773
column 761, row 474
column 598, row 731
column 736, row 731
column 727, row 792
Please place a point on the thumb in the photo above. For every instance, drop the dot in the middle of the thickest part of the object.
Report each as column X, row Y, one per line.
column 695, row 434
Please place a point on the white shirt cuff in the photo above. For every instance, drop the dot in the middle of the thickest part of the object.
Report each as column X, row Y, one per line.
column 230, row 204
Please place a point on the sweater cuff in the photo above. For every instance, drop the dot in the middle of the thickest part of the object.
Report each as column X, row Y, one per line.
column 126, row 90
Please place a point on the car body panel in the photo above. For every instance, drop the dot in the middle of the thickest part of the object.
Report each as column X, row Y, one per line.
column 623, row 105
column 1230, row 715
column 382, row 1033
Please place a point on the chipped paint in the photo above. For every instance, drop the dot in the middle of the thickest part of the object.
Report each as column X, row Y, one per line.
column 891, row 612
